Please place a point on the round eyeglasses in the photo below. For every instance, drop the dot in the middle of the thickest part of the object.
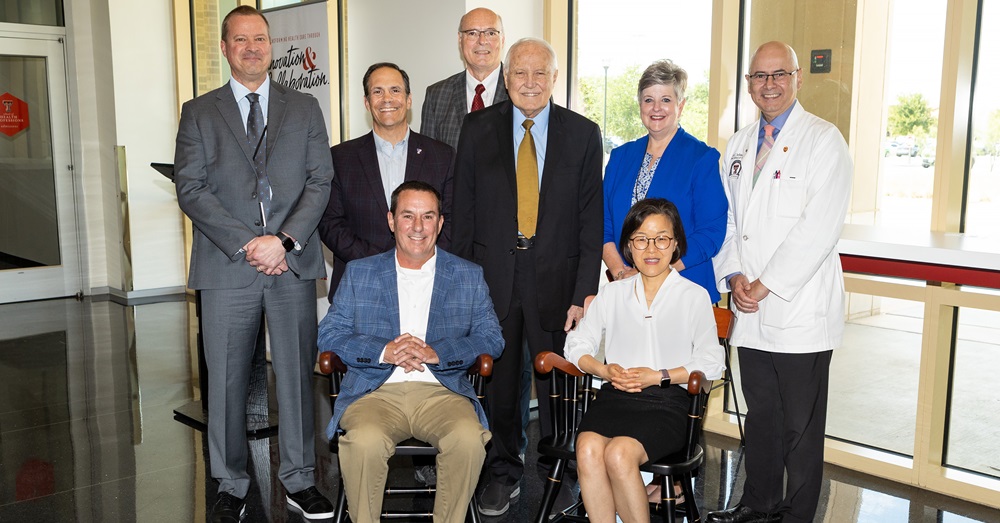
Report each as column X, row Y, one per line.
column 641, row 243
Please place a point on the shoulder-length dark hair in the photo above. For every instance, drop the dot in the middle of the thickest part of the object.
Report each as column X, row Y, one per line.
column 638, row 214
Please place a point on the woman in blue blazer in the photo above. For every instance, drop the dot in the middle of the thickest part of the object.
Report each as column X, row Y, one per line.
column 667, row 163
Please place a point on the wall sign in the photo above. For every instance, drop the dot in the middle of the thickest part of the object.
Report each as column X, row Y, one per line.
column 13, row 114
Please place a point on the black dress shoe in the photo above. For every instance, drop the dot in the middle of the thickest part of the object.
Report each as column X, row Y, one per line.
column 741, row 514
column 228, row 509
column 310, row 503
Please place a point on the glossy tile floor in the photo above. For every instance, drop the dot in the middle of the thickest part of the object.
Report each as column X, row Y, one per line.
column 87, row 392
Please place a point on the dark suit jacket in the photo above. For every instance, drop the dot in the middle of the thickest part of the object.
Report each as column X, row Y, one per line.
column 568, row 246
column 445, row 107
column 217, row 184
column 354, row 224
column 364, row 318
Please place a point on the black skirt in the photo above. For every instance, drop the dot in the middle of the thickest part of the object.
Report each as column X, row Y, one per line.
column 655, row 417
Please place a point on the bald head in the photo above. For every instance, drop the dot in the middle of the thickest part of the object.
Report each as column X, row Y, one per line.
column 773, row 96
column 481, row 40
column 776, row 48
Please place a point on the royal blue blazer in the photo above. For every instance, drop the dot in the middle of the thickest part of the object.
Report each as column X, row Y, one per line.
column 688, row 176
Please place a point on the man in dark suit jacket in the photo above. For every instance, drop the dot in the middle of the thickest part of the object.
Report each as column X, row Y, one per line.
column 255, row 193
column 538, row 280
column 481, row 40
column 408, row 323
column 353, row 225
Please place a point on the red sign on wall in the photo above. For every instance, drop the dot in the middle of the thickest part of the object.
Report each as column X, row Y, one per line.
column 13, row 114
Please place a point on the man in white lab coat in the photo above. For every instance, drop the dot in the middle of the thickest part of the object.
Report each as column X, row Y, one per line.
column 788, row 180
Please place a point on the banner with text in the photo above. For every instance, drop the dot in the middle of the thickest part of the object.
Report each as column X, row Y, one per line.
column 300, row 49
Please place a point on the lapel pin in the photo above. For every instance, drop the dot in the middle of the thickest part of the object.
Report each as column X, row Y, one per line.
column 421, row 150
column 785, row 150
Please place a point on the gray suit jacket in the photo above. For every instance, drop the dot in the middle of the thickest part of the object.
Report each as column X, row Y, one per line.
column 217, row 184
column 445, row 107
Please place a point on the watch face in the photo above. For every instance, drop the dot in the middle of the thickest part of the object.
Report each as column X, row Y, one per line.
column 288, row 244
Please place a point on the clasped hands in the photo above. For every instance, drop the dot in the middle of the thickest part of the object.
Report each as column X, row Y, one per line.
column 409, row 352
column 267, row 254
column 630, row 380
column 746, row 295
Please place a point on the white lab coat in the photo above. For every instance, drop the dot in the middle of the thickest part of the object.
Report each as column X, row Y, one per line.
column 784, row 232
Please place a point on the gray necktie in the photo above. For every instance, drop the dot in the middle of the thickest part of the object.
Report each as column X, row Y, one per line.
column 255, row 138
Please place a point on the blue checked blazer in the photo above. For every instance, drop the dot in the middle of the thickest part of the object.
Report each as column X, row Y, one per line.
column 364, row 318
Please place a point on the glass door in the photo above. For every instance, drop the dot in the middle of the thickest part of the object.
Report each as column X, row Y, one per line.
column 39, row 254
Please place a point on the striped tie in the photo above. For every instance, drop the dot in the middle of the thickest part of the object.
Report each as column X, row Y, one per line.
column 765, row 149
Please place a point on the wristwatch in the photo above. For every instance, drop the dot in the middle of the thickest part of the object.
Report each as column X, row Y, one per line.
column 286, row 241
column 665, row 380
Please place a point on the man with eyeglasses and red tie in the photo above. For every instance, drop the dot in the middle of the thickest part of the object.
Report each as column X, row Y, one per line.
column 481, row 41
column 788, row 180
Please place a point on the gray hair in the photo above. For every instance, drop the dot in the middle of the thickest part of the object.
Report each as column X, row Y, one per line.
column 664, row 72
column 536, row 41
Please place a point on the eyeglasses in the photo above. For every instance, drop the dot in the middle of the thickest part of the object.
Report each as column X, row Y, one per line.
column 473, row 34
column 779, row 77
column 641, row 243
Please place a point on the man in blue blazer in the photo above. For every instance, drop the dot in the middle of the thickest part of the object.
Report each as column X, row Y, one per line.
column 408, row 323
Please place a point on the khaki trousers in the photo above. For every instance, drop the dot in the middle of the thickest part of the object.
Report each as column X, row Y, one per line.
column 395, row 412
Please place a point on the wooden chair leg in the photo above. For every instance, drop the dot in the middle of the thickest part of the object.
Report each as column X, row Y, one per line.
column 668, row 503
column 690, row 506
column 551, row 490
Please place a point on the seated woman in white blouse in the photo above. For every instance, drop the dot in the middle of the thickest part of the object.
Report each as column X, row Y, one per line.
column 658, row 327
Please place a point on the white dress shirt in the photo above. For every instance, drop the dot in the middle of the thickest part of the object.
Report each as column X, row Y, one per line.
column 677, row 330
column 490, row 83
column 415, row 287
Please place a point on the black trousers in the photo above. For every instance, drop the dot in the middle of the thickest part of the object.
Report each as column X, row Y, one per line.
column 503, row 460
column 786, row 397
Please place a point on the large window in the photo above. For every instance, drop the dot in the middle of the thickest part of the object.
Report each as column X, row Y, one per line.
column 972, row 428
column 911, row 101
column 615, row 41
column 36, row 12
column 210, row 68
column 983, row 201
column 884, row 334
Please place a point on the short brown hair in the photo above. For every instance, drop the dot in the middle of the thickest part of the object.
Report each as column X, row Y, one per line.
column 243, row 10
column 413, row 185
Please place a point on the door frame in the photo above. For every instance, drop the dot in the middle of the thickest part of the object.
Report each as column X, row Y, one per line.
column 65, row 279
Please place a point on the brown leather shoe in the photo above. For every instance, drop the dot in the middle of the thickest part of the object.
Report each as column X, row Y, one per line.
column 741, row 514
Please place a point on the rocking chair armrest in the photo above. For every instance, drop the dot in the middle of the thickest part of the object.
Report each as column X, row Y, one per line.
column 547, row 360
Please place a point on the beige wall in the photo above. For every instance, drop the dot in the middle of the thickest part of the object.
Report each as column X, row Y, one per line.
column 146, row 124
column 807, row 26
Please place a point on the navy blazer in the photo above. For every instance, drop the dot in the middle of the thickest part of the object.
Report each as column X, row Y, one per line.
column 364, row 318
column 354, row 224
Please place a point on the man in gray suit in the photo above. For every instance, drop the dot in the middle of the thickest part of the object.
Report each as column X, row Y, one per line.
column 481, row 40
column 253, row 173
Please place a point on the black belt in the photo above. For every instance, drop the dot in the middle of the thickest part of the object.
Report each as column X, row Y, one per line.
column 525, row 243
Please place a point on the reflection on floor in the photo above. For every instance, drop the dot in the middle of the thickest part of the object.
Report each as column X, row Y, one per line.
column 87, row 391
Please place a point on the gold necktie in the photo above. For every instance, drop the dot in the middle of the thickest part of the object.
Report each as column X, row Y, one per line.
column 527, row 183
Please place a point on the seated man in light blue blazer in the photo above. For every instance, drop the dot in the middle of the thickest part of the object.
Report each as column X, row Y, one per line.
column 408, row 323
